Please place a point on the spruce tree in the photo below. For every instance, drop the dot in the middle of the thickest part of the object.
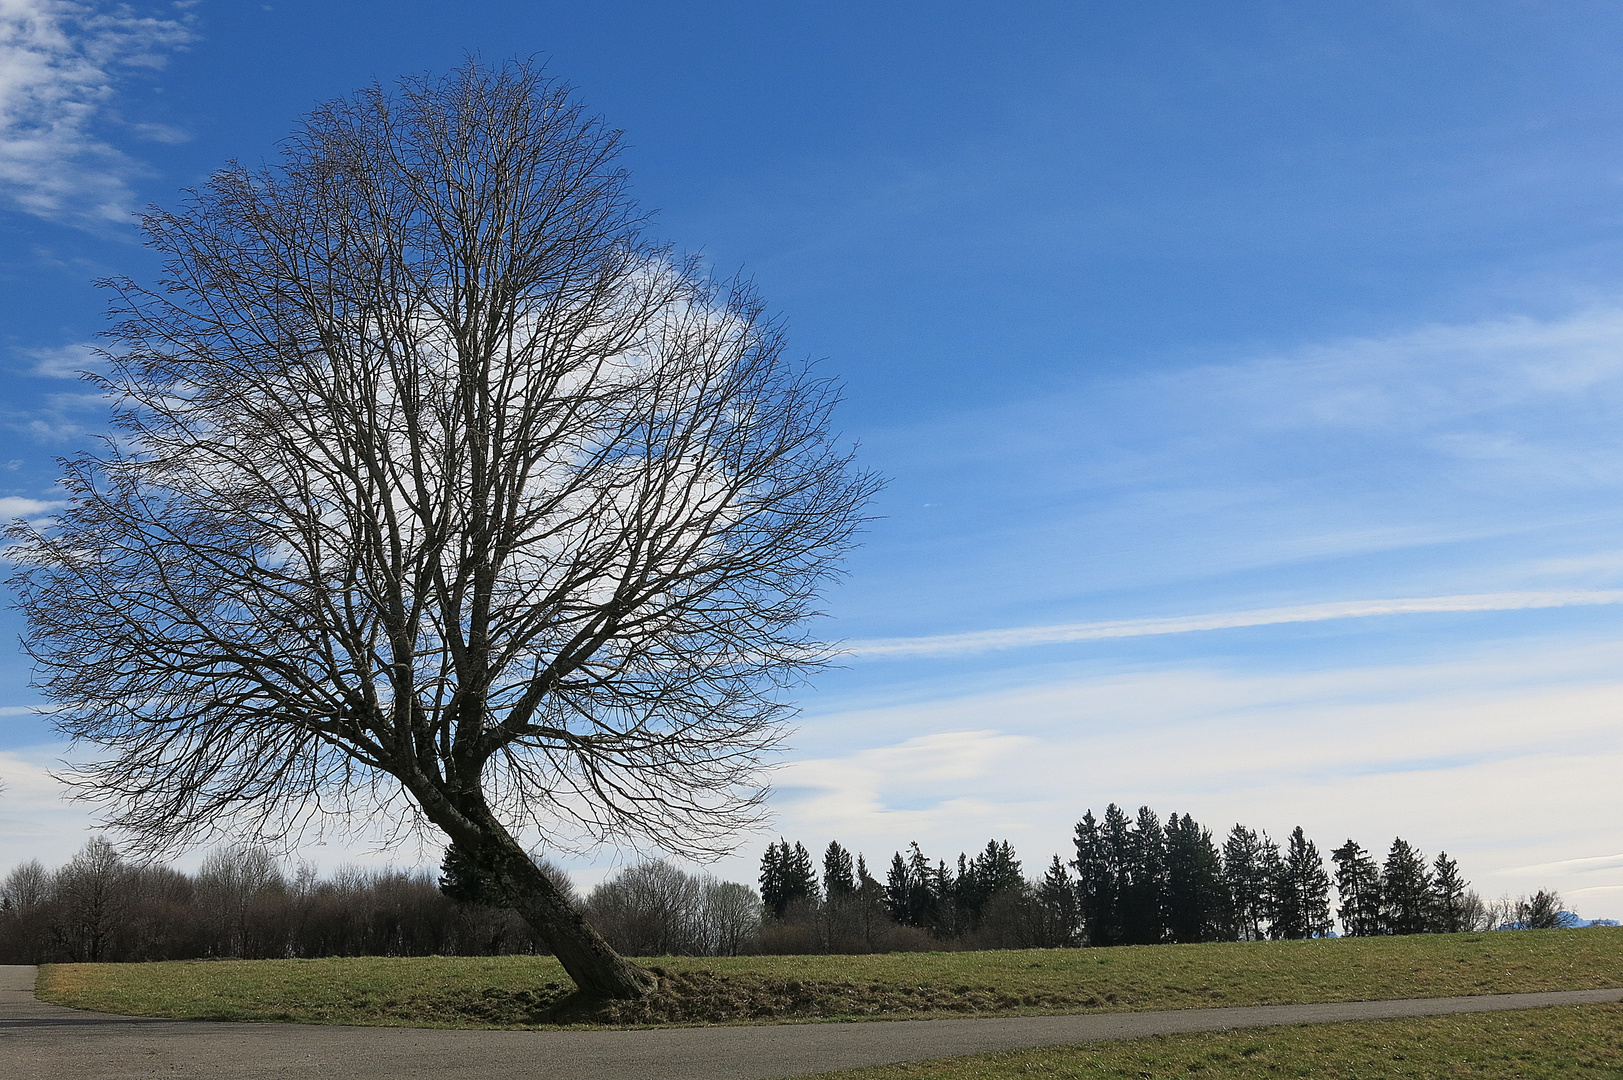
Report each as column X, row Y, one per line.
column 1143, row 910
column 774, row 875
column 1450, row 908
column 1358, row 886
column 910, row 890
column 999, row 870
column 919, row 870
column 1271, row 869
column 1287, row 914
column 839, row 875
column 787, row 877
column 898, row 889
column 1303, row 891
column 1117, row 832
column 800, row 876
column 1406, row 889
column 1059, row 913
column 966, row 899
column 947, row 919
column 868, row 887
column 1197, row 901
column 1249, row 883
column 995, row 870
column 866, row 910
column 1098, row 876
column 464, row 881
column 992, row 873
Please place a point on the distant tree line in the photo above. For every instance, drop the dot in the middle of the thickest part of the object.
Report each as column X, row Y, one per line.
column 240, row 903
column 1141, row 883
column 983, row 902
column 1403, row 895
column 1132, row 881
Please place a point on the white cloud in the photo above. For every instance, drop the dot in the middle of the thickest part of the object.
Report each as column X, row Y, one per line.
column 36, row 821
column 987, row 640
column 66, row 361
column 1588, row 864
column 1508, row 759
column 59, row 417
column 59, row 63
column 1518, row 401
column 1417, row 379
column 1412, row 383
column 1456, row 459
column 13, row 506
column 854, row 789
column 41, row 819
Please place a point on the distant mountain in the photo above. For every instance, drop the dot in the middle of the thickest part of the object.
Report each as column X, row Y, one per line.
column 1573, row 921
column 1569, row 920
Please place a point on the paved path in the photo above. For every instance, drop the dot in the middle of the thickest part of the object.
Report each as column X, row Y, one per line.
column 48, row 1042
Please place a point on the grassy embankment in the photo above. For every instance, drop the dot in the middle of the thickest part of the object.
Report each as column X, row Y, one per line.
column 516, row 991
column 1580, row 1042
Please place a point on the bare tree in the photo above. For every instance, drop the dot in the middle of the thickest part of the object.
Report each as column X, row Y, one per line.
column 27, row 886
column 651, row 909
column 1541, row 911
column 92, row 902
column 656, row 909
column 231, row 879
column 445, row 496
column 1498, row 914
column 730, row 917
column 25, row 913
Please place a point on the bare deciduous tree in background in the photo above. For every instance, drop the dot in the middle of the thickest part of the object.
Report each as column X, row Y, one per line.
column 656, row 909
column 439, row 479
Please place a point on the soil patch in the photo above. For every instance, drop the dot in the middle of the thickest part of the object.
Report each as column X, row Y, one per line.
column 707, row 997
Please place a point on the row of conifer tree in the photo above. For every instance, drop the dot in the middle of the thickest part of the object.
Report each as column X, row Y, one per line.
column 1136, row 881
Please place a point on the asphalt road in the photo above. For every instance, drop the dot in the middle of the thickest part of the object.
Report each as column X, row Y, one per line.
column 48, row 1042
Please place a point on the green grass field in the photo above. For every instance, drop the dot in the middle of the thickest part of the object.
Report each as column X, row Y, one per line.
column 532, row 991
column 1578, row 1042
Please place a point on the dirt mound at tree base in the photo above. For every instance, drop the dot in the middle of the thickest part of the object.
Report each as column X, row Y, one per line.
column 703, row 997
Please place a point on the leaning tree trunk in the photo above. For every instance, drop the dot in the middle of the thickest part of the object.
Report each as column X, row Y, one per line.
column 591, row 962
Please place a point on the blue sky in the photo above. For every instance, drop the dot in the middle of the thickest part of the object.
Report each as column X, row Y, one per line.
column 1156, row 316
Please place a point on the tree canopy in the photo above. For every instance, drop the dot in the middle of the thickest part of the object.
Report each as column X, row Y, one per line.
column 443, row 494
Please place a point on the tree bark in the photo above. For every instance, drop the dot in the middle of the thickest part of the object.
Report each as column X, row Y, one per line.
column 590, row 961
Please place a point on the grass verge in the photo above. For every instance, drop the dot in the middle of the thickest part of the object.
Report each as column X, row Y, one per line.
column 520, row 991
column 1571, row 1042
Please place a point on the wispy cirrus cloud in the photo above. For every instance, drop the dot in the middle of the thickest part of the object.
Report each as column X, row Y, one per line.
column 60, row 61
column 1447, row 459
column 1018, row 637
column 63, row 362
column 1588, row 864
column 59, row 417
